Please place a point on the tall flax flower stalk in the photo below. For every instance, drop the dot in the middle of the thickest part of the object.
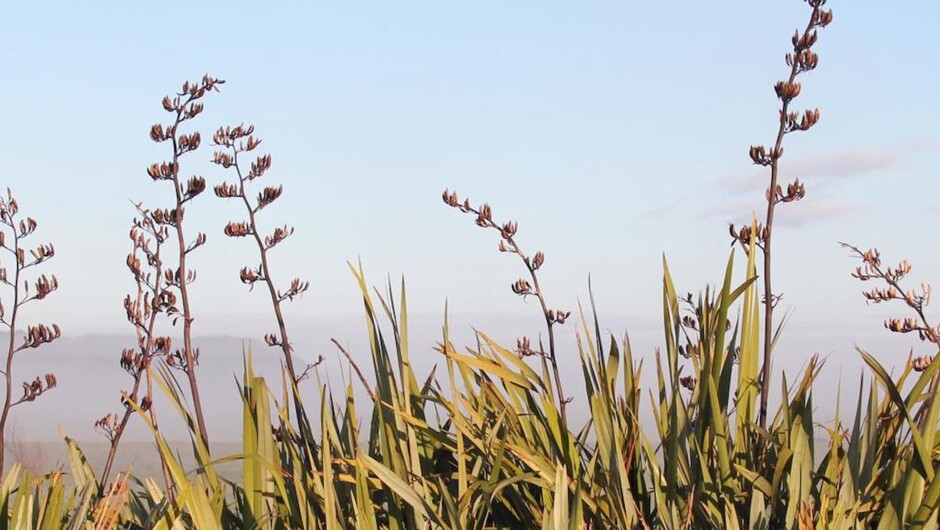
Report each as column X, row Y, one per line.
column 183, row 106
column 236, row 141
column 522, row 287
column 152, row 298
column 800, row 61
column 13, row 243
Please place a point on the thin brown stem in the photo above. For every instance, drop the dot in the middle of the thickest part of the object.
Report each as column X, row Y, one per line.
column 184, row 106
column 355, row 366
column 235, row 141
column 550, row 325
column 182, row 278
column 769, row 298
column 35, row 336
column 11, row 351
column 145, row 340
column 507, row 231
column 266, row 273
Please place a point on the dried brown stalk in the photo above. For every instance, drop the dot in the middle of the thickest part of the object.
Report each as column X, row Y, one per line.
column 24, row 258
column 152, row 299
column 235, row 141
column 802, row 60
column 183, row 106
column 522, row 287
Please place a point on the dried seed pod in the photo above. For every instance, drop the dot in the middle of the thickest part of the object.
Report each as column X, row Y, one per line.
column 787, row 91
column 268, row 196
column 758, row 154
column 162, row 345
column 40, row 334
column 226, row 191
column 538, row 260
column 259, row 166
column 522, row 287
column 188, row 142
column 450, row 198
column 279, row 235
column 509, row 229
column 524, row 348
column 824, row 18
column 194, row 187
column 223, row 159
column 237, row 229
column 127, row 360
column 919, row 364
column 45, row 286
column 249, row 276
column 558, row 316
column 484, row 216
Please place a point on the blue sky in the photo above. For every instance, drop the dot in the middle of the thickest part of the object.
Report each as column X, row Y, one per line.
column 614, row 132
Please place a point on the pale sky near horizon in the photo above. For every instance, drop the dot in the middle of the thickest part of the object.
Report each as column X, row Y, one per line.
column 614, row 132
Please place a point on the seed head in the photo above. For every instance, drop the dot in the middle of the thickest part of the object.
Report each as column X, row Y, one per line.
column 538, row 260
column 522, row 287
column 787, row 91
column 237, row 229
column 919, row 364
column 524, row 348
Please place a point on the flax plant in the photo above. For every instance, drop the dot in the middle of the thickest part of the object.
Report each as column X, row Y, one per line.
column 522, row 287
column 802, row 60
column 15, row 232
column 152, row 299
column 904, row 458
column 184, row 106
column 486, row 444
column 240, row 140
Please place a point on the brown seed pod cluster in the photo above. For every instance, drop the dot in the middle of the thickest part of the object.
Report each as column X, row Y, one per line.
column 277, row 237
column 796, row 122
column 556, row 316
column 237, row 229
column 795, row 191
column 920, row 364
column 35, row 388
column 524, row 348
column 109, row 426
column 746, row 232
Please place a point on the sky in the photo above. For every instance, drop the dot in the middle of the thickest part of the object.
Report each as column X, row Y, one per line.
column 615, row 133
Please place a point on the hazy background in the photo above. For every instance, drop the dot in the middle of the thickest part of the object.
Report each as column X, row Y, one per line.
column 614, row 132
